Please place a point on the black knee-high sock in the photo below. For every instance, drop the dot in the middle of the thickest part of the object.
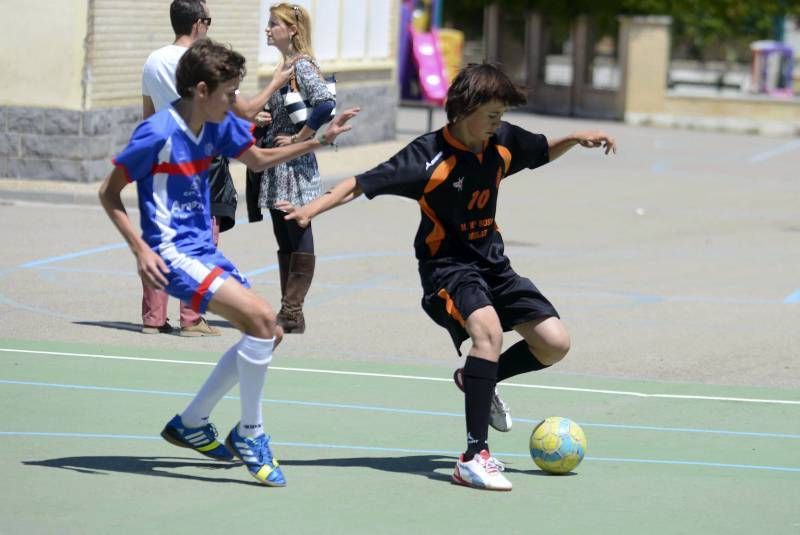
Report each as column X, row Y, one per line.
column 479, row 379
column 517, row 359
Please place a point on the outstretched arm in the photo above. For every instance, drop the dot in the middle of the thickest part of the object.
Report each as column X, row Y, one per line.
column 150, row 266
column 343, row 192
column 259, row 159
column 559, row 146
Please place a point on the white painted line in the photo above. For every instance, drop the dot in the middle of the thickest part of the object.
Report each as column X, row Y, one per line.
column 418, row 378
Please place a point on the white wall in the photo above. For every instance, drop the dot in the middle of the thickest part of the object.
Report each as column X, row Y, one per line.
column 345, row 32
column 42, row 53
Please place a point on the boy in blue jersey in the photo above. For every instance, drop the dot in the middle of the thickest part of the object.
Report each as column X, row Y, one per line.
column 168, row 157
column 469, row 287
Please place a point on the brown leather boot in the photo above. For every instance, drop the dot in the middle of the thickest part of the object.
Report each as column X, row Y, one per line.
column 283, row 268
column 301, row 272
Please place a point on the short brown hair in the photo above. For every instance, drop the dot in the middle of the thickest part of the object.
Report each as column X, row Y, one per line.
column 479, row 83
column 210, row 62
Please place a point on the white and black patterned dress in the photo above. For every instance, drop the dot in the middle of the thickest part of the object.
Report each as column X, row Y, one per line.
column 297, row 181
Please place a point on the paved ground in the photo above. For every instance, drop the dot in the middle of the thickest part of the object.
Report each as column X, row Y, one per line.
column 674, row 260
column 674, row 265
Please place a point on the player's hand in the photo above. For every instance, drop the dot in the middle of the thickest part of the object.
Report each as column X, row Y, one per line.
column 596, row 139
column 338, row 125
column 294, row 213
column 282, row 140
column 152, row 269
column 263, row 118
column 282, row 74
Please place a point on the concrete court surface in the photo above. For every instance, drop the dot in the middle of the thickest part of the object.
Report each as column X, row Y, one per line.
column 675, row 260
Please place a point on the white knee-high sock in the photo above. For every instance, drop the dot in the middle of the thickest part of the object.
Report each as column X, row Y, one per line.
column 222, row 378
column 252, row 360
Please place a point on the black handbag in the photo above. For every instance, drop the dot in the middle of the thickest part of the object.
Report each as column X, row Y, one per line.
column 223, row 193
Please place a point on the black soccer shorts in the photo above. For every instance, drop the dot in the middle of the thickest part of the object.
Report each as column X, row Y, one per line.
column 453, row 291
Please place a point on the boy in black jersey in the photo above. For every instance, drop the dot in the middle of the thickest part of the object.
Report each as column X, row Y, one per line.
column 469, row 286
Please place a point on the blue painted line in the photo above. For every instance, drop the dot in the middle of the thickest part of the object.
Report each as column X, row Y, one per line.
column 658, row 167
column 259, row 271
column 76, row 254
column 10, row 302
column 777, row 151
column 83, row 270
column 86, row 252
column 75, row 435
column 792, row 298
column 332, row 258
column 416, row 451
column 639, row 299
column 675, row 429
column 391, row 410
column 351, row 256
column 695, row 463
column 368, row 284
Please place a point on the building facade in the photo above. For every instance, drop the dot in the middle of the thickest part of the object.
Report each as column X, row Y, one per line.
column 72, row 72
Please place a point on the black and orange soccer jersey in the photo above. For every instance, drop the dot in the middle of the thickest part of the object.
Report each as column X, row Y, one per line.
column 457, row 189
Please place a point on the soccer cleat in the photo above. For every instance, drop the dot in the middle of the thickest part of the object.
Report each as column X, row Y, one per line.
column 499, row 413
column 482, row 472
column 201, row 328
column 201, row 439
column 257, row 456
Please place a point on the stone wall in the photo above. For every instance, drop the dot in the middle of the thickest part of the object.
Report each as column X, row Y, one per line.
column 377, row 119
column 54, row 144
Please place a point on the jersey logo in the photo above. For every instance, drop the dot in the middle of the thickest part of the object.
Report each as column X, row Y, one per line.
column 433, row 160
column 209, row 149
column 459, row 184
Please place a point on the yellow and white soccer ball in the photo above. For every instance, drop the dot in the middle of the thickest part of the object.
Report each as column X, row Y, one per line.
column 557, row 445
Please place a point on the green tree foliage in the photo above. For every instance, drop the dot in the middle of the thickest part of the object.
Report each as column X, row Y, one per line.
column 702, row 27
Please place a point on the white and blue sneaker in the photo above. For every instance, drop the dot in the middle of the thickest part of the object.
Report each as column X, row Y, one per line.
column 256, row 455
column 481, row 472
column 201, row 439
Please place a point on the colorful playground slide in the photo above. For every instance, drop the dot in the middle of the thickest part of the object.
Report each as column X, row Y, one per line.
column 431, row 67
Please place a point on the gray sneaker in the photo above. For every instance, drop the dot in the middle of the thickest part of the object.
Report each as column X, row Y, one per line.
column 499, row 413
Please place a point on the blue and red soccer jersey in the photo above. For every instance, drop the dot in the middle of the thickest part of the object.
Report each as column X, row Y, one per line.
column 169, row 164
column 170, row 167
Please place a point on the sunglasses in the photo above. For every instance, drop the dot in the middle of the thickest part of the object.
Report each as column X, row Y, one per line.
column 205, row 20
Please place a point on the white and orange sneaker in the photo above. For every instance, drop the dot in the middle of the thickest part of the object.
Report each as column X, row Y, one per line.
column 482, row 472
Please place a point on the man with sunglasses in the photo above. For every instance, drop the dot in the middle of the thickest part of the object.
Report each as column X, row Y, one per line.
column 190, row 21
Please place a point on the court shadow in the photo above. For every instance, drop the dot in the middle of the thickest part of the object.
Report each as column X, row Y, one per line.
column 137, row 327
column 147, row 466
column 435, row 467
column 542, row 473
column 118, row 325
